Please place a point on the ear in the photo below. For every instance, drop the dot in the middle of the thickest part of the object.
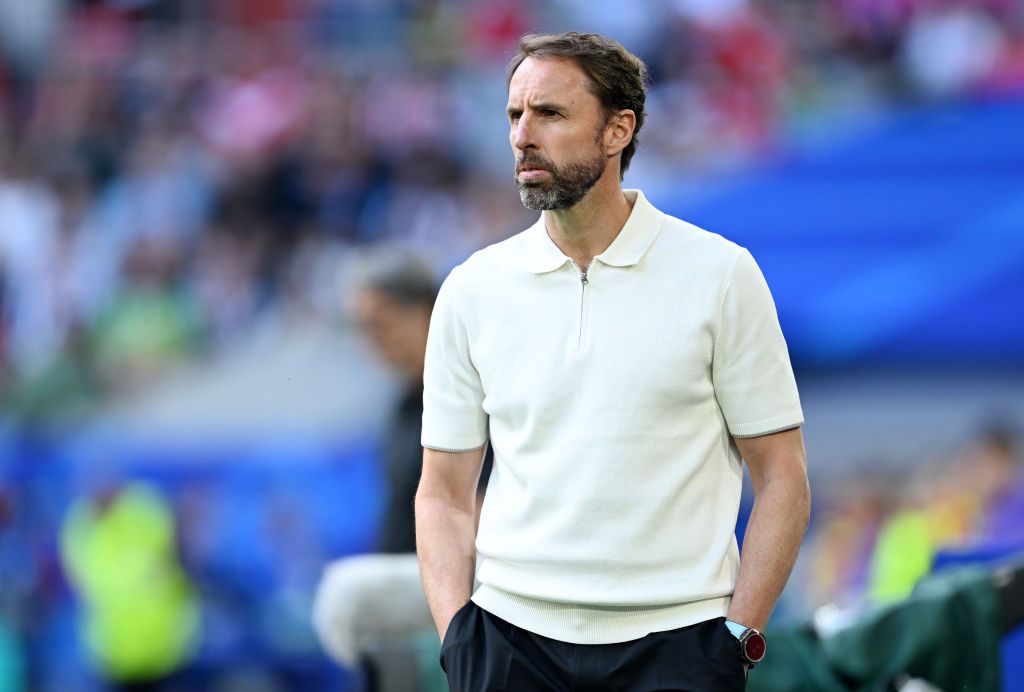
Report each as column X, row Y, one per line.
column 618, row 131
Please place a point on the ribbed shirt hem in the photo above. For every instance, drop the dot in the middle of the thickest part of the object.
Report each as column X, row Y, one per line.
column 590, row 624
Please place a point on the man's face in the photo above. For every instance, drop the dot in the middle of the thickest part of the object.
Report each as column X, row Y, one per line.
column 556, row 132
column 398, row 332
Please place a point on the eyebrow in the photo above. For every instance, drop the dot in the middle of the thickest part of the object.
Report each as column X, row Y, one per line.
column 546, row 106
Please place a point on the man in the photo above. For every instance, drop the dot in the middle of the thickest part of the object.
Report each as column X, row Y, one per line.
column 369, row 608
column 620, row 362
column 391, row 307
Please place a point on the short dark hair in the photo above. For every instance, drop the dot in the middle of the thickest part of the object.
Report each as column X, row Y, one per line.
column 617, row 77
column 400, row 275
column 1001, row 435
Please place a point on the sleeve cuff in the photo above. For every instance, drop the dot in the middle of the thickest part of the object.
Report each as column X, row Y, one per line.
column 455, row 443
column 767, row 426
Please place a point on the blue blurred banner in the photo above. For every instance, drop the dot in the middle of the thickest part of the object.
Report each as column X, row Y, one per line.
column 901, row 243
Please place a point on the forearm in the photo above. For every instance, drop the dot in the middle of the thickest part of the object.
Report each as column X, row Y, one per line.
column 445, row 544
column 774, row 533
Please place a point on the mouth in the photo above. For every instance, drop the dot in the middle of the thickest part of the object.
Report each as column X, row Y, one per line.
column 529, row 172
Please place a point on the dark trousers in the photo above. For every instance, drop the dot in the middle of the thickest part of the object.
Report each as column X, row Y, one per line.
column 481, row 652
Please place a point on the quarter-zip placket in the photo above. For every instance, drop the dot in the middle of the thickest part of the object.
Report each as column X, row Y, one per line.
column 584, row 281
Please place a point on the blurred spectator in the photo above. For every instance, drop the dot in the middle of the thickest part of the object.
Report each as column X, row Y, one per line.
column 974, row 500
column 834, row 564
column 27, row 30
column 29, row 236
column 225, row 283
column 998, row 472
column 392, row 308
column 151, row 325
column 933, row 514
column 366, row 603
column 950, row 46
column 141, row 619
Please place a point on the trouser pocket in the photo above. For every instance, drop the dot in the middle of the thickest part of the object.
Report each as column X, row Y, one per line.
column 451, row 635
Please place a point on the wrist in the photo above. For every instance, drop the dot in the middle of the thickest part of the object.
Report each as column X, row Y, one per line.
column 736, row 628
column 751, row 642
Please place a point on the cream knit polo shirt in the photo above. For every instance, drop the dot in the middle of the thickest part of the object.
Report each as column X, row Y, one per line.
column 610, row 400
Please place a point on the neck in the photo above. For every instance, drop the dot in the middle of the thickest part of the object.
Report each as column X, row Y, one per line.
column 587, row 229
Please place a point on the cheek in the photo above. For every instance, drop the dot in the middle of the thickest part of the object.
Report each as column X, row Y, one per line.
column 390, row 349
column 582, row 140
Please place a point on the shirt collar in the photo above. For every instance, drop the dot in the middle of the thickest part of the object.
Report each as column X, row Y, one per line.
column 630, row 245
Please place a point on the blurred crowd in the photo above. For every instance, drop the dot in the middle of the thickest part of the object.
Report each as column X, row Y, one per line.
column 879, row 528
column 174, row 172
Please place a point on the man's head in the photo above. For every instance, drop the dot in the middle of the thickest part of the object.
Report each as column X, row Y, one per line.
column 392, row 304
column 993, row 462
column 575, row 106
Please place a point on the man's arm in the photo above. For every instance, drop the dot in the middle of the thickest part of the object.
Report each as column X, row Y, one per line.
column 446, row 530
column 782, row 505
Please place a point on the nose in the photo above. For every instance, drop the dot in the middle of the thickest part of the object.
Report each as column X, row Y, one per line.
column 523, row 133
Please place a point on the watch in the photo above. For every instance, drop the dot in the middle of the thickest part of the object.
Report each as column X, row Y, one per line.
column 752, row 643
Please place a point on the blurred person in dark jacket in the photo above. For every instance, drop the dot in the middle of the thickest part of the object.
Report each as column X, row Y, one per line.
column 368, row 603
column 392, row 308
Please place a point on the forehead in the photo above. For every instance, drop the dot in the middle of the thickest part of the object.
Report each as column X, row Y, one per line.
column 548, row 79
column 370, row 302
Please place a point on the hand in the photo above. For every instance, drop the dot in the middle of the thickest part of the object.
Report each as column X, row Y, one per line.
column 448, row 621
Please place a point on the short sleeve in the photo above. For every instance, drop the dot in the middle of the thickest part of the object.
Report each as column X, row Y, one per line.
column 752, row 375
column 453, row 415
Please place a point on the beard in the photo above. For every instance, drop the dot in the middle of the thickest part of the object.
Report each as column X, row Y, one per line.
column 568, row 184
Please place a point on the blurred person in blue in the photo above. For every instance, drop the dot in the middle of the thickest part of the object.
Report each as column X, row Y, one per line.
column 996, row 457
column 118, row 546
column 622, row 364
column 368, row 604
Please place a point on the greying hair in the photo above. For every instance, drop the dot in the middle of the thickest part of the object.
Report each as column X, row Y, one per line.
column 400, row 275
column 615, row 76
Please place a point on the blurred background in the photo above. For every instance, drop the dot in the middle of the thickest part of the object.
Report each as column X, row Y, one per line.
column 187, row 188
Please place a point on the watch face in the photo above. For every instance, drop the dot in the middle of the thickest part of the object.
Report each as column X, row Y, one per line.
column 754, row 647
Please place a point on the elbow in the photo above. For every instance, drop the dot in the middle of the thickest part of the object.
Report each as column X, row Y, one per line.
column 806, row 501
column 791, row 490
column 801, row 500
column 422, row 500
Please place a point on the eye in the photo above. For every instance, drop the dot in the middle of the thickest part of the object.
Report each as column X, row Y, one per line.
column 549, row 113
column 514, row 116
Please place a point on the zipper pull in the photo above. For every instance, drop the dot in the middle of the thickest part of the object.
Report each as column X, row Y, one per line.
column 583, row 278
